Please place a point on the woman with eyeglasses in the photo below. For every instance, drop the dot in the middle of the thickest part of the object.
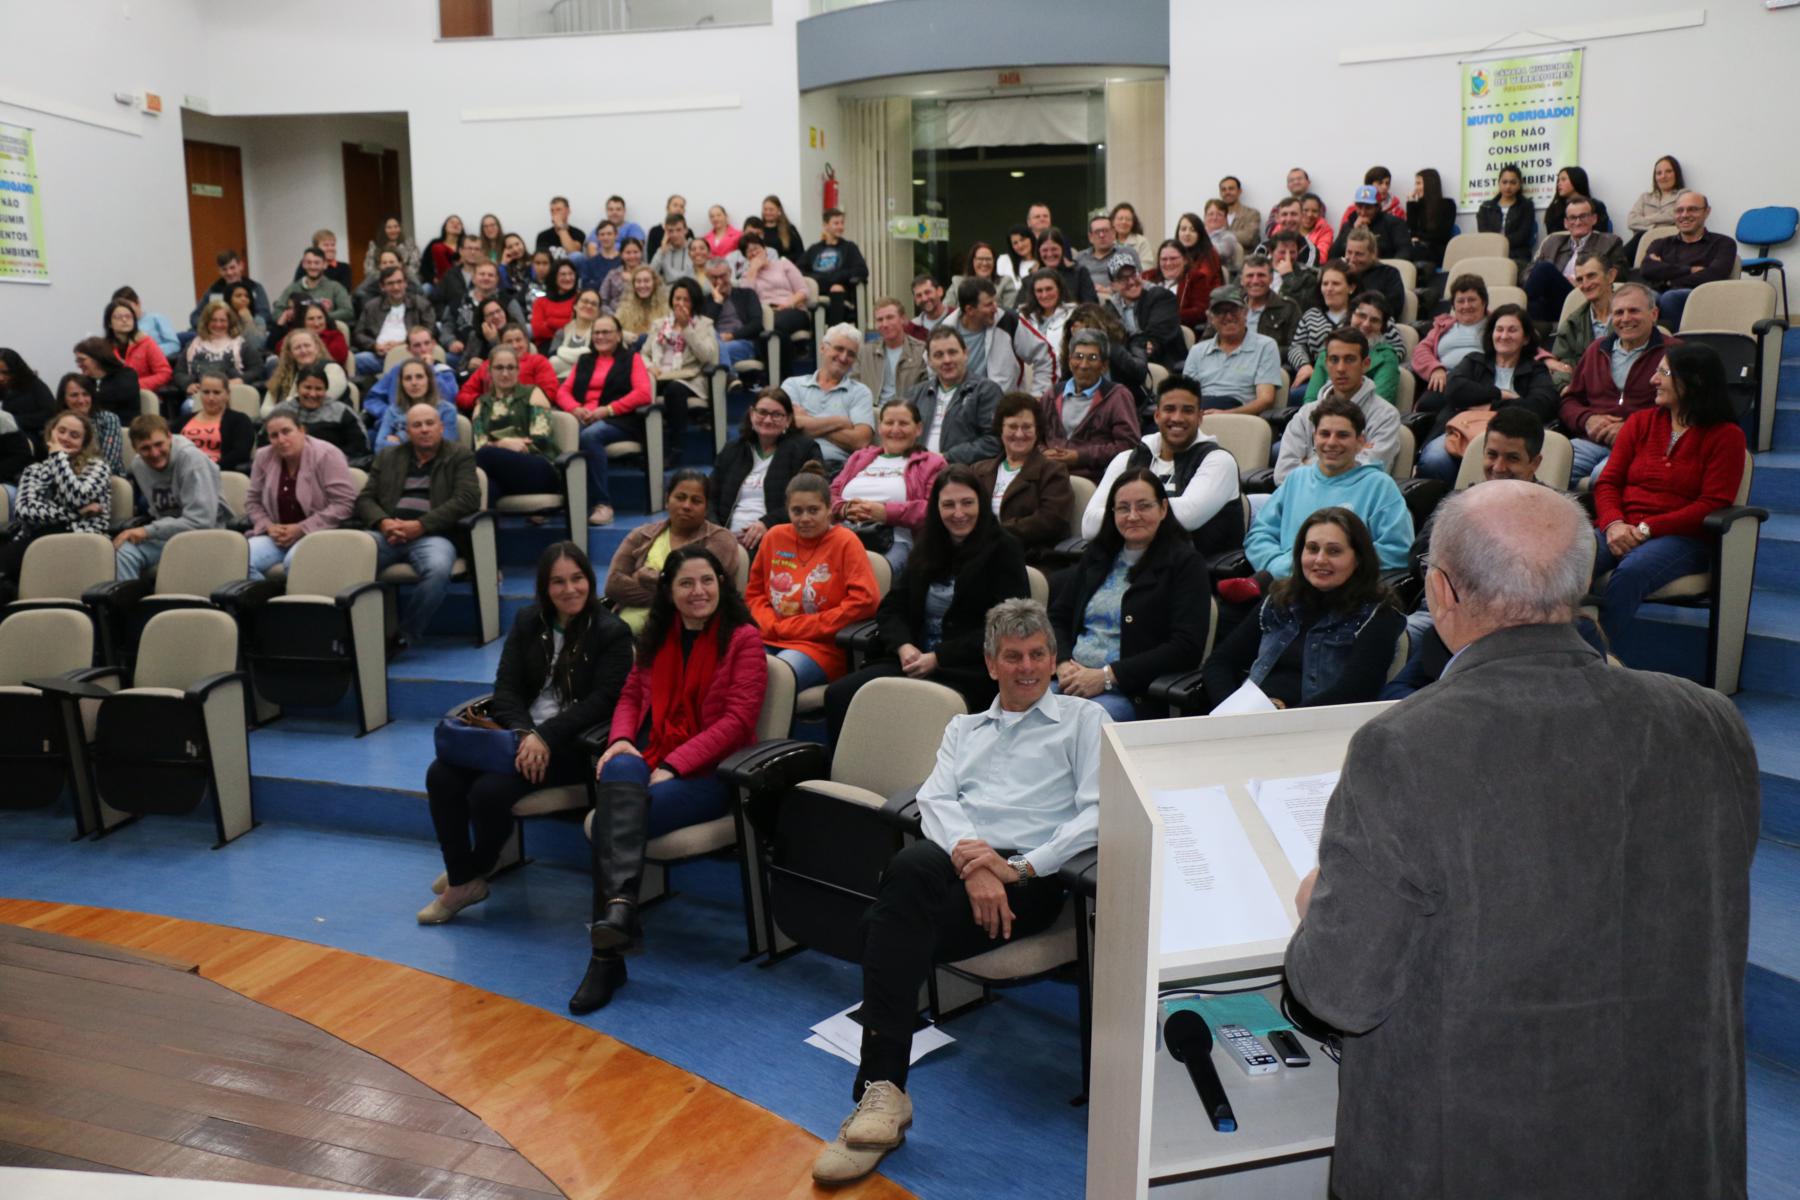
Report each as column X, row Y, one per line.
column 1137, row 605
column 747, row 491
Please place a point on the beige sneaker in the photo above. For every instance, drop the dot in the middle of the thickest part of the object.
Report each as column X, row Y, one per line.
column 602, row 514
column 453, row 901
column 881, row 1119
column 838, row 1164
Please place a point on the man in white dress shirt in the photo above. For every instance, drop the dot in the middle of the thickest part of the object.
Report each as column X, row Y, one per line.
column 1015, row 794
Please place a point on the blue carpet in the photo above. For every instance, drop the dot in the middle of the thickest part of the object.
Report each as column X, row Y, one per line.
column 1006, row 1081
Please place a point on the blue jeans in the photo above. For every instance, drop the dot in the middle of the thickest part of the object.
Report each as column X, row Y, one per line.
column 1118, row 707
column 366, row 362
column 807, row 673
column 736, row 351
column 134, row 558
column 433, row 558
column 1669, row 307
column 594, row 440
column 674, row 803
column 1436, row 462
column 1589, row 459
column 1651, row 565
column 264, row 554
column 896, row 556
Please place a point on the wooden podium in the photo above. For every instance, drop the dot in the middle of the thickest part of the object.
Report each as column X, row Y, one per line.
column 1146, row 1126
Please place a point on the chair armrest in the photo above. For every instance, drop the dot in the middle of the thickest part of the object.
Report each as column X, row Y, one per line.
column 347, row 598
column 862, row 637
column 1067, row 551
column 242, row 595
column 1081, row 874
column 595, row 739
column 563, row 460
column 1418, row 422
column 201, row 689
column 1719, row 522
column 1260, row 479
column 902, row 810
column 1765, row 326
column 116, row 593
column 474, row 520
column 69, row 687
column 775, row 765
column 1180, row 689
column 1404, row 584
column 1278, row 419
column 1229, row 564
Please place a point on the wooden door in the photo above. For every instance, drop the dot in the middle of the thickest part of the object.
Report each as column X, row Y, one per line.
column 371, row 196
column 465, row 18
column 215, row 178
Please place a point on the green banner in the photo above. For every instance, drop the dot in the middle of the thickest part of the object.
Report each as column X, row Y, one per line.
column 21, row 210
column 1520, row 112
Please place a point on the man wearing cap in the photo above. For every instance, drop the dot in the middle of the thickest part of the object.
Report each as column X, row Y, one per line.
column 1287, row 220
column 1236, row 370
column 1151, row 316
column 1390, row 232
column 1104, row 254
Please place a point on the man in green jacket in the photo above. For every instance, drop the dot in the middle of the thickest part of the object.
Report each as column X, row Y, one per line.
column 1594, row 278
column 415, row 496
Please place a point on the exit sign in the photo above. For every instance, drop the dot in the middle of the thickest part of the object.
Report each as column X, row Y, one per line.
column 1010, row 79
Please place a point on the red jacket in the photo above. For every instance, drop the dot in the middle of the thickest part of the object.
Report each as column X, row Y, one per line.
column 728, row 712
column 1591, row 391
column 636, row 398
column 152, row 366
column 1195, row 294
column 548, row 316
column 535, row 371
column 336, row 346
column 1671, row 493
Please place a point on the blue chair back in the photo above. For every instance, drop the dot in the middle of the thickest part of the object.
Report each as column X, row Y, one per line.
column 1766, row 227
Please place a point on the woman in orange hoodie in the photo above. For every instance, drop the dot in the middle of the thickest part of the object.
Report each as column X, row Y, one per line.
column 810, row 579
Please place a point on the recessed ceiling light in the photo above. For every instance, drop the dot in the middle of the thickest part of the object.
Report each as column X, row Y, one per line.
column 1018, row 174
column 918, row 183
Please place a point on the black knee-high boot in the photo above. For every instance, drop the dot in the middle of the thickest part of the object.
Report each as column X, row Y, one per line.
column 621, row 823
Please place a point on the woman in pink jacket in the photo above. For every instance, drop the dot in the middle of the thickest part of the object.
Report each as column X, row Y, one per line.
column 609, row 392
column 298, row 485
column 779, row 284
column 692, row 698
column 884, row 489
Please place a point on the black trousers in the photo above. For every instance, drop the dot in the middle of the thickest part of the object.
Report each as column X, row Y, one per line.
column 675, row 396
column 788, row 322
column 463, row 800
column 921, row 916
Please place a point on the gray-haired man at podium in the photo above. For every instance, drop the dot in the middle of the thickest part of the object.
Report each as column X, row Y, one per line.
column 1538, row 957
column 1014, row 795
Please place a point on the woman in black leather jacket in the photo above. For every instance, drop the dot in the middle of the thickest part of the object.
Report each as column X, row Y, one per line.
column 560, row 673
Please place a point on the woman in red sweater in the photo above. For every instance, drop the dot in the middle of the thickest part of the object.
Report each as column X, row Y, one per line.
column 135, row 348
column 1671, row 465
column 692, row 698
column 810, row 579
column 556, row 306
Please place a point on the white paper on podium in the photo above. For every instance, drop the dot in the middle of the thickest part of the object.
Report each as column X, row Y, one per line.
column 1295, row 811
column 1215, row 891
column 1247, row 699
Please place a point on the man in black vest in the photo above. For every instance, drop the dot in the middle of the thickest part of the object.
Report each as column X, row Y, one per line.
column 1200, row 475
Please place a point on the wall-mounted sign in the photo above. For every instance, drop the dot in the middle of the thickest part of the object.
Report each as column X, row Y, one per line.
column 21, row 210
column 919, row 229
column 210, row 190
column 1011, row 78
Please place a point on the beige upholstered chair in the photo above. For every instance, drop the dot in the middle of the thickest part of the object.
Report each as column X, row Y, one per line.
column 1474, row 245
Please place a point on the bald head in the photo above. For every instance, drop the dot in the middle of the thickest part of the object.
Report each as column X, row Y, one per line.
column 1511, row 553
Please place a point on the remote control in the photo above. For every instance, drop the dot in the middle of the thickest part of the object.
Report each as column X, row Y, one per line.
column 1244, row 1049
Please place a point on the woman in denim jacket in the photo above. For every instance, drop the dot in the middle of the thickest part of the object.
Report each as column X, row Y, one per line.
column 1325, row 634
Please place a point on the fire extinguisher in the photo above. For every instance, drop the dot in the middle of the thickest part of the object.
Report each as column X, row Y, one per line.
column 831, row 188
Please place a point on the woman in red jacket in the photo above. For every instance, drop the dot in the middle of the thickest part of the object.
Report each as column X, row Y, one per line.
column 1671, row 465
column 692, row 698
column 136, row 349
column 556, row 306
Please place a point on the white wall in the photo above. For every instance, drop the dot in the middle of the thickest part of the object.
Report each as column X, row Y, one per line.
column 820, row 110
column 294, row 182
column 115, row 204
column 731, row 155
column 1710, row 95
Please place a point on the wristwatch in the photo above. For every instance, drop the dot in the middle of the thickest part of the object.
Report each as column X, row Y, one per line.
column 1106, row 673
column 1643, row 529
column 1022, row 865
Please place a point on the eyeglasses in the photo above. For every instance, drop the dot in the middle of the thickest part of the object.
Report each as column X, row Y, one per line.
column 1663, row 372
column 1140, row 508
column 1425, row 564
column 772, row 414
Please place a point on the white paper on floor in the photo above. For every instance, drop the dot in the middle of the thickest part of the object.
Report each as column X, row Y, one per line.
column 840, row 1034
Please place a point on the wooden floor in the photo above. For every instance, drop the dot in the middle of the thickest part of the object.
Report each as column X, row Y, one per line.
column 594, row 1116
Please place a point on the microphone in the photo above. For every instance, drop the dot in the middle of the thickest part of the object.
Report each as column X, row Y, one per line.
column 1190, row 1044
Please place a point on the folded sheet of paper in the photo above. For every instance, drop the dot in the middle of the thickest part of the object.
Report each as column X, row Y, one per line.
column 1247, row 699
column 1295, row 811
column 1215, row 891
column 841, row 1034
